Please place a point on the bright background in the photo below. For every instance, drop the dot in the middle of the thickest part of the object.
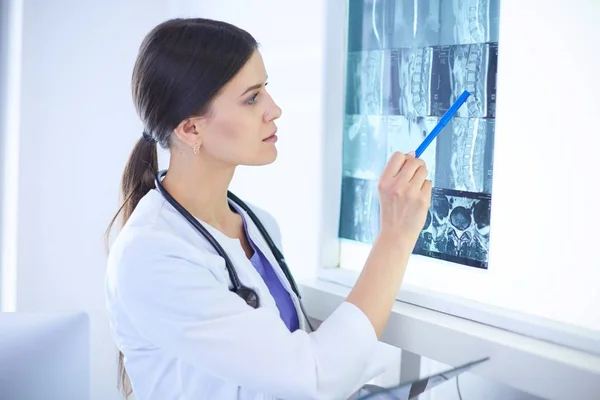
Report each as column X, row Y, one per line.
column 68, row 126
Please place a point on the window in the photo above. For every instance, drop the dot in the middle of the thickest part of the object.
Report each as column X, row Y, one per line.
column 406, row 63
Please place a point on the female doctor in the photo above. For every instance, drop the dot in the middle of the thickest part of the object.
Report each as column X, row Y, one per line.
column 186, row 325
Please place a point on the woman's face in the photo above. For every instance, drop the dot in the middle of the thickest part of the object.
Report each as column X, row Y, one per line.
column 240, row 125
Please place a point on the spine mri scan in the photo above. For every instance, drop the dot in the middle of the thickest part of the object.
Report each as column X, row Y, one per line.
column 407, row 62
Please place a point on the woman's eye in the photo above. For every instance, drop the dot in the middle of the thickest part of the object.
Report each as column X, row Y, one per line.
column 252, row 99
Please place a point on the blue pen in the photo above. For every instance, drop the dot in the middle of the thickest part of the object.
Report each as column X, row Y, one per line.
column 443, row 121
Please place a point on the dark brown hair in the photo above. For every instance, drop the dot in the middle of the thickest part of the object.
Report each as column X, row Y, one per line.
column 181, row 66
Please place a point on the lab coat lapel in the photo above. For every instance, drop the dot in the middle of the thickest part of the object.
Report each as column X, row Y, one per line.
column 262, row 245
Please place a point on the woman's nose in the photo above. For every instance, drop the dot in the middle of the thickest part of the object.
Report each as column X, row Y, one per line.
column 273, row 111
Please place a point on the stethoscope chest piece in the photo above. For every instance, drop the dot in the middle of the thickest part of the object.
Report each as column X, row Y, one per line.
column 249, row 296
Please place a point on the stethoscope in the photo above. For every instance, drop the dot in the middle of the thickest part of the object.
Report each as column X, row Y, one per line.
column 248, row 294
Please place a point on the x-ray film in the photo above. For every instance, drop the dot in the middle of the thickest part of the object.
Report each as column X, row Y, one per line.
column 406, row 134
column 426, row 81
column 384, row 24
column 407, row 63
column 457, row 228
column 371, row 21
column 360, row 210
column 411, row 90
column 473, row 67
column 364, row 146
column 415, row 23
column 367, row 83
column 464, row 155
column 469, row 21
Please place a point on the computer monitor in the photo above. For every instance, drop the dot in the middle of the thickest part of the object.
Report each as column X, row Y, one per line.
column 44, row 356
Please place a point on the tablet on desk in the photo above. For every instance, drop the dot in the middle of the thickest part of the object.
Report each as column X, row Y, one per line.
column 412, row 389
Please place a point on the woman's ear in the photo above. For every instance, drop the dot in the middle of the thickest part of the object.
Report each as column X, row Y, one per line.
column 189, row 131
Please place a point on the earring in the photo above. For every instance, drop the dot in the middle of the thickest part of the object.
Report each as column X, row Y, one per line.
column 196, row 149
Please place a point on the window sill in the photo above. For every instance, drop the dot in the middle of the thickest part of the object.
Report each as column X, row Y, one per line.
column 524, row 362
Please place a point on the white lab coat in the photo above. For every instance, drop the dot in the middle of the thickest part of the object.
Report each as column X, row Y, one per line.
column 185, row 335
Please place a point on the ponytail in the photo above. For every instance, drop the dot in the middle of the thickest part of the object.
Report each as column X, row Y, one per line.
column 136, row 182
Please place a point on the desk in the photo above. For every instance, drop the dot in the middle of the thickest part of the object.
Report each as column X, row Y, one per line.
column 531, row 365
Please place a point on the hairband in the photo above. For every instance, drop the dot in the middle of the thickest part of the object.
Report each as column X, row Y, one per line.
column 147, row 137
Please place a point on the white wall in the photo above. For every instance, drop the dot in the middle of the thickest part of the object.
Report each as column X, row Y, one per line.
column 78, row 126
